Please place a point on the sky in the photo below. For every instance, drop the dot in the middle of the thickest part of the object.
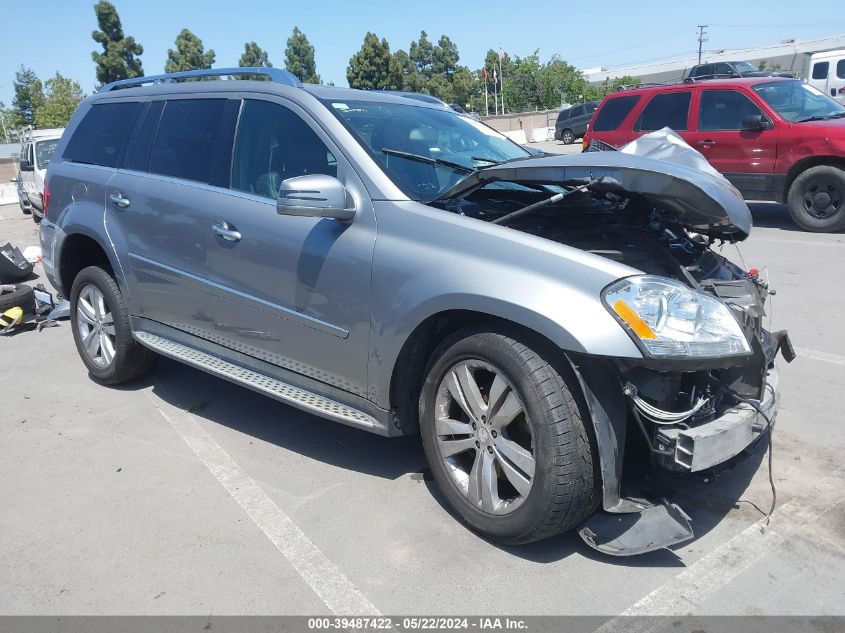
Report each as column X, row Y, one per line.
column 57, row 35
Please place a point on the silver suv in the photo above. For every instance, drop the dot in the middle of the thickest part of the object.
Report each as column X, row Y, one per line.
column 390, row 264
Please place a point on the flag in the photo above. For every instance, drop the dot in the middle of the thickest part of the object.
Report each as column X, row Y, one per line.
column 495, row 76
column 485, row 73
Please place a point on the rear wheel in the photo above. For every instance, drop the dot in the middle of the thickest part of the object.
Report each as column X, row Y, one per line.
column 816, row 199
column 567, row 137
column 505, row 439
column 100, row 321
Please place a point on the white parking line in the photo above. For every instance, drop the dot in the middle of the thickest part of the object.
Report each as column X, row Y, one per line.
column 805, row 242
column 698, row 582
column 329, row 583
column 822, row 356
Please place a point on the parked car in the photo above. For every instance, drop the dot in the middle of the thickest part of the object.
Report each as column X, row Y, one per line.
column 398, row 267
column 726, row 70
column 826, row 71
column 37, row 148
column 572, row 122
column 775, row 139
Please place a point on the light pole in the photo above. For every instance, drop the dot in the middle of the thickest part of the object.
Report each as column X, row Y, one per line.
column 3, row 121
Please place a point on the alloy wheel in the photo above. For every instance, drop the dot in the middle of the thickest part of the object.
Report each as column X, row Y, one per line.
column 821, row 198
column 484, row 436
column 95, row 325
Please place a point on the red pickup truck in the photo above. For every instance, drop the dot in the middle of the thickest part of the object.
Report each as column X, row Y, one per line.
column 774, row 139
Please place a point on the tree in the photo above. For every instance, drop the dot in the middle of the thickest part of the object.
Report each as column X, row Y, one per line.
column 119, row 57
column 61, row 97
column 29, row 96
column 560, row 82
column 189, row 54
column 254, row 57
column 765, row 64
column 445, row 58
column 369, row 68
column 421, row 54
column 299, row 58
column 523, row 88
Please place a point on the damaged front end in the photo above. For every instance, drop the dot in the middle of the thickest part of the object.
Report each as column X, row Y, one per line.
column 705, row 389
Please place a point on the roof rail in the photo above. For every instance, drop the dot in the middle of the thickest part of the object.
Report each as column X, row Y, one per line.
column 274, row 74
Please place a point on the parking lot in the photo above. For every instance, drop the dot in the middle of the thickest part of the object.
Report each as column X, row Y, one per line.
column 184, row 494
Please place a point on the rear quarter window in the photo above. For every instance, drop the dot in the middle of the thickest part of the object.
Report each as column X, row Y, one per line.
column 102, row 135
column 613, row 112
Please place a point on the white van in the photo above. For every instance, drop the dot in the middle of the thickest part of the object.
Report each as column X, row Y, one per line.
column 827, row 73
column 37, row 147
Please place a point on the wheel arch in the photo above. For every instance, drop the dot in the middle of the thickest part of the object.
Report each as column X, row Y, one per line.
column 80, row 250
column 806, row 163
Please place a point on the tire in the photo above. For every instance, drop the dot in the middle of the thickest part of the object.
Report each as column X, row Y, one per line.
column 567, row 137
column 36, row 218
column 21, row 297
column 115, row 357
column 24, row 210
column 816, row 199
column 526, row 506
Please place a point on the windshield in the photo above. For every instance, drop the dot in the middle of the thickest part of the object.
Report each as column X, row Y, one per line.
column 44, row 152
column 797, row 101
column 744, row 67
column 425, row 151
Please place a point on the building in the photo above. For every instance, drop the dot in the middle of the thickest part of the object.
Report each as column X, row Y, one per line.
column 790, row 55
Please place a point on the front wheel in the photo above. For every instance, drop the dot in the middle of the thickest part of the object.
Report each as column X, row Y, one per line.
column 816, row 199
column 100, row 324
column 505, row 438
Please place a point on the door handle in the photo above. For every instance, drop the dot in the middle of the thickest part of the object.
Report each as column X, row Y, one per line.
column 118, row 200
column 226, row 231
column 707, row 141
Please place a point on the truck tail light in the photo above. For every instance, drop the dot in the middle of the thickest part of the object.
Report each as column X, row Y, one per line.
column 46, row 200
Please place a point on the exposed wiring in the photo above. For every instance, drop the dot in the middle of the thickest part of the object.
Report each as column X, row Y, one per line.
column 769, row 428
column 659, row 416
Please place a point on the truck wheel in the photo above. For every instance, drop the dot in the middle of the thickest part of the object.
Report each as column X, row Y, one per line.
column 100, row 324
column 567, row 137
column 816, row 199
column 505, row 437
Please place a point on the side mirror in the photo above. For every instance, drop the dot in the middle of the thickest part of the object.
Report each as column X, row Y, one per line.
column 315, row 196
column 756, row 122
column 13, row 179
column 26, row 166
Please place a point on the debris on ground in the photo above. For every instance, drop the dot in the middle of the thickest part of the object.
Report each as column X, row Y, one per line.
column 13, row 264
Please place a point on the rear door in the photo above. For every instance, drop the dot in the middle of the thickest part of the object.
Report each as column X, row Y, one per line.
column 836, row 82
column 746, row 157
column 820, row 75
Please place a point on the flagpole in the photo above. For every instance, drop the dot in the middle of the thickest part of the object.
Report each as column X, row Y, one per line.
column 502, row 77
column 496, row 94
column 486, row 104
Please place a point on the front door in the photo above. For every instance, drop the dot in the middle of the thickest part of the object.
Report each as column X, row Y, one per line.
column 746, row 157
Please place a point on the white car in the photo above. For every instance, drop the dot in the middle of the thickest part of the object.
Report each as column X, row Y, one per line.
column 37, row 147
column 827, row 73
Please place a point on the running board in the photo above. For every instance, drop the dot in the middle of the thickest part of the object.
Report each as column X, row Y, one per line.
column 262, row 383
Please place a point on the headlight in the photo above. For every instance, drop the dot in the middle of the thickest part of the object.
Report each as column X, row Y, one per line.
column 670, row 320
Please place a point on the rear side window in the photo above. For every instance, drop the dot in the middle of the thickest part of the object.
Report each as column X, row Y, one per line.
column 577, row 111
column 724, row 110
column 840, row 69
column 614, row 112
column 138, row 154
column 185, row 141
column 564, row 114
column 102, row 135
column 665, row 110
column 820, row 70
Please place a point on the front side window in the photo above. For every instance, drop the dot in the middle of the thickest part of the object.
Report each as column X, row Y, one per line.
column 665, row 110
column 797, row 101
column 274, row 144
column 44, row 152
column 185, row 141
column 724, row 110
column 614, row 112
column 424, row 150
column 820, row 70
column 723, row 69
column 744, row 67
column 102, row 135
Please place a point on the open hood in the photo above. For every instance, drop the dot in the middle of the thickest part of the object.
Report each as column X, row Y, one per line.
column 665, row 170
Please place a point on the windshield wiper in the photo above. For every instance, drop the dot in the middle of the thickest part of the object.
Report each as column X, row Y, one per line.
column 818, row 117
column 492, row 161
column 427, row 159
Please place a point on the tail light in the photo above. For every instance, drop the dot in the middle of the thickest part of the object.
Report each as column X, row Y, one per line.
column 46, row 198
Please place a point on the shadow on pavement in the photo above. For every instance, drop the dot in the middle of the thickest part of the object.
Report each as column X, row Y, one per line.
column 226, row 404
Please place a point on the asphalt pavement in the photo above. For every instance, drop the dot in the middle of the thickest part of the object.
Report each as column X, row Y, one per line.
column 184, row 494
